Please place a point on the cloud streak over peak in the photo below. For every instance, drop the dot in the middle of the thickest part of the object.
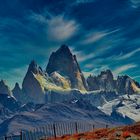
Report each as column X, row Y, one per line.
column 96, row 36
column 61, row 29
column 124, row 68
column 57, row 28
column 128, row 55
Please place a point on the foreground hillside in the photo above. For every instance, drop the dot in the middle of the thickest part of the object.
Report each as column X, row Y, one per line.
column 120, row 133
column 32, row 117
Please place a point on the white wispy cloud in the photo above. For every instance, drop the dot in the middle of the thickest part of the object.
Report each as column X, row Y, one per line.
column 98, row 50
column 135, row 3
column 100, row 68
column 128, row 55
column 87, row 74
column 95, row 71
column 123, row 68
column 16, row 73
column 57, row 28
column 38, row 17
column 96, row 35
column 135, row 77
column 88, row 66
column 81, row 56
column 60, row 29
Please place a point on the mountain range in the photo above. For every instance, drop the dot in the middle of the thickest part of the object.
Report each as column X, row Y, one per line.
column 63, row 73
column 62, row 87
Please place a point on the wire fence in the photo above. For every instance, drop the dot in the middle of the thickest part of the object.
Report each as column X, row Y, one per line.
column 52, row 130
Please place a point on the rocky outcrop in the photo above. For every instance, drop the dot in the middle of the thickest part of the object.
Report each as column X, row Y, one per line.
column 104, row 81
column 9, row 102
column 32, row 88
column 65, row 63
column 126, row 85
column 60, row 81
column 17, row 93
column 4, row 89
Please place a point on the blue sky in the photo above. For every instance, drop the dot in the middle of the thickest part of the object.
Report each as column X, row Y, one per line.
column 102, row 33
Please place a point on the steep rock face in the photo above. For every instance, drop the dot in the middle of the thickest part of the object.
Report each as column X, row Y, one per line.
column 4, row 89
column 104, row 81
column 9, row 102
column 126, row 85
column 32, row 88
column 60, row 80
column 93, row 83
column 65, row 63
column 17, row 92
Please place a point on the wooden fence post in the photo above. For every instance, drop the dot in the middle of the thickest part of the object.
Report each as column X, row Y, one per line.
column 21, row 135
column 5, row 137
column 106, row 126
column 76, row 127
column 54, row 130
column 93, row 127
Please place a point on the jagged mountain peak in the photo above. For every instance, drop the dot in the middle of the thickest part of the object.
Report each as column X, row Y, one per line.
column 124, row 77
column 17, row 86
column 17, row 92
column 107, row 72
column 64, row 48
column 31, row 87
column 59, row 58
column 125, row 84
column 105, row 81
column 64, row 62
column 2, row 82
column 33, row 67
column 4, row 89
column 62, row 53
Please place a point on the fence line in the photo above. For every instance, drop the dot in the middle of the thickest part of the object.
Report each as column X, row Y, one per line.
column 53, row 130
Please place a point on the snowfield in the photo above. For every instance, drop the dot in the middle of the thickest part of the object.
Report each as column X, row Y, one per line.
column 127, row 105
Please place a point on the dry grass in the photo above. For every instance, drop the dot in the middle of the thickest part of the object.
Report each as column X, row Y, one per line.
column 120, row 133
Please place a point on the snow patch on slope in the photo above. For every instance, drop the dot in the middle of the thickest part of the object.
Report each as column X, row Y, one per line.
column 135, row 88
column 127, row 105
